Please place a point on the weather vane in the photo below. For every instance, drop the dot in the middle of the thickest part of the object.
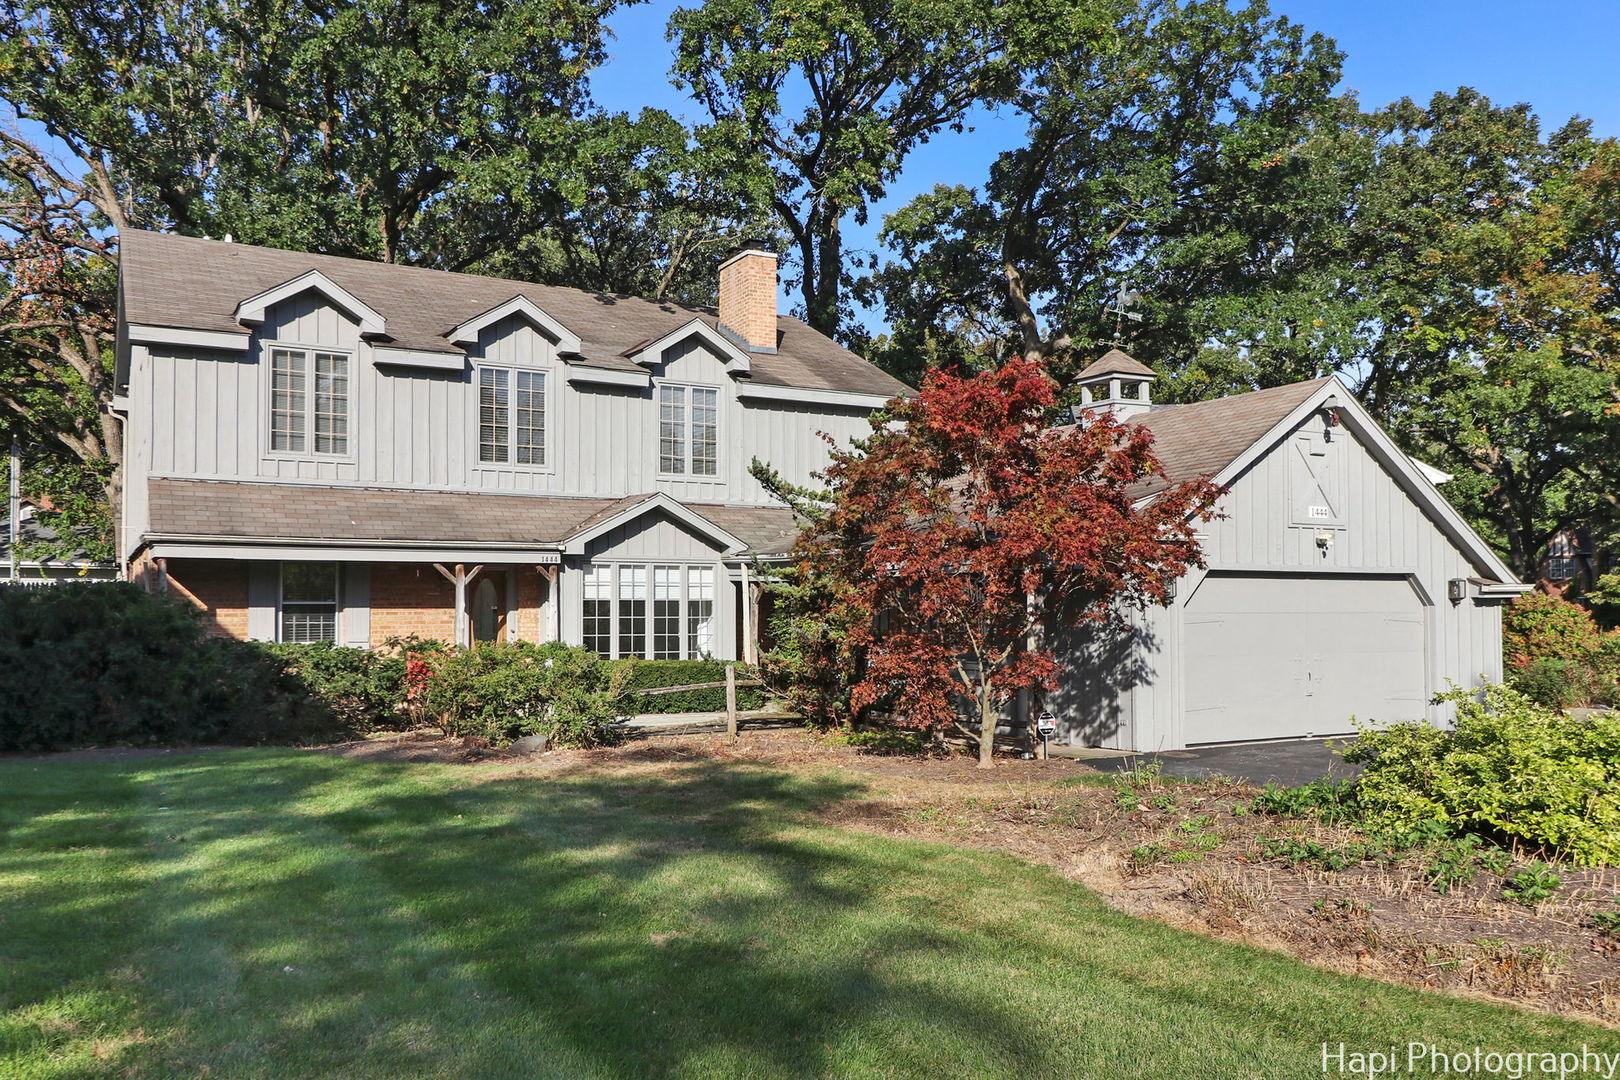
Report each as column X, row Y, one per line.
column 1123, row 300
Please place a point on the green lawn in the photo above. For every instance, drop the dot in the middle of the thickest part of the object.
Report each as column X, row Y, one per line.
column 287, row 914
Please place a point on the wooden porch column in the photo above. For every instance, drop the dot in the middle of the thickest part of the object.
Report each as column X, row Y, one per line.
column 460, row 578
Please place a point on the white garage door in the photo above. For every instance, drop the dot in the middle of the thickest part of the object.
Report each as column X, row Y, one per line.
column 1288, row 655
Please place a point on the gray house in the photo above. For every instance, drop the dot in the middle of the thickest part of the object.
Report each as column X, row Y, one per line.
column 323, row 448
column 327, row 449
column 1340, row 582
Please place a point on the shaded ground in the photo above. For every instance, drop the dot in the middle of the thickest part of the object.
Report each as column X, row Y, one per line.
column 665, row 910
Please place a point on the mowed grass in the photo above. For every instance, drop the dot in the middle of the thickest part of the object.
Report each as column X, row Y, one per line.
column 288, row 914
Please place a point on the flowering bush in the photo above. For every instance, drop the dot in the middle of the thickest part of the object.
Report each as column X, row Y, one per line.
column 1556, row 655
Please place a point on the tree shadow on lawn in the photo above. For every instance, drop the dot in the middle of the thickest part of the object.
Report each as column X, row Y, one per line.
column 308, row 916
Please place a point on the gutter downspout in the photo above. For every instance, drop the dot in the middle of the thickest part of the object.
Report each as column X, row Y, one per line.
column 14, row 507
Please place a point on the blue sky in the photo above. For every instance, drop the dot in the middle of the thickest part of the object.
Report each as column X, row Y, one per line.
column 1562, row 57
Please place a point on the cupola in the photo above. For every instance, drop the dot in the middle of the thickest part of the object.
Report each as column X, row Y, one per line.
column 1116, row 384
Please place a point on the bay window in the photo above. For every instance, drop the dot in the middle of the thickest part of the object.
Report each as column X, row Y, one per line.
column 657, row 611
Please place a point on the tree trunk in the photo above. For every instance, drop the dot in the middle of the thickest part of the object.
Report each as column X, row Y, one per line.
column 987, row 730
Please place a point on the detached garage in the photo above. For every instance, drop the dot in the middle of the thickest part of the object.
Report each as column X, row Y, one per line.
column 1340, row 583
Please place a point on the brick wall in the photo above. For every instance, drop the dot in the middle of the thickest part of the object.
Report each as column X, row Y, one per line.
column 217, row 587
column 406, row 598
column 530, row 594
column 411, row 598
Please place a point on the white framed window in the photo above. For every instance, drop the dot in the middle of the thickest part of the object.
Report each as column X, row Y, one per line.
column 659, row 611
column 309, row 401
column 688, row 430
column 511, row 416
column 700, row 621
column 598, row 610
column 632, row 611
column 666, row 613
column 309, row 602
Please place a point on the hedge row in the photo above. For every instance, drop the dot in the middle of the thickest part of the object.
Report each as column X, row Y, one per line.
column 85, row 664
column 99, row 664
column 651, row 674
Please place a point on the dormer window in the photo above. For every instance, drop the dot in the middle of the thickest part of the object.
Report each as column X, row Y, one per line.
column 688, row 430
column 511, row 416
column 309, row 401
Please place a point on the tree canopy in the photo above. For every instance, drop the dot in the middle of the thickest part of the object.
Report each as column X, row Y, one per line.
column 1179, row 177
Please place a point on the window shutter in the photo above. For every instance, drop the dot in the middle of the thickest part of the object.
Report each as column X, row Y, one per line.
column 264, row 587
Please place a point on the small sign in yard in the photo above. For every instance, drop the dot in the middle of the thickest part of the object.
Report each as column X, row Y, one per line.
column 1045, row 726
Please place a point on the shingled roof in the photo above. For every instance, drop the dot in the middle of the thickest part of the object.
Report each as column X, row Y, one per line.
column 1114, row 362
column 227, row 510
column 1201, row 439
column 192, row 284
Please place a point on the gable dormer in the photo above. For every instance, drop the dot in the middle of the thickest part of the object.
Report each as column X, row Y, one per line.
column 566, row 340
column 251, row 311
column 650, row 354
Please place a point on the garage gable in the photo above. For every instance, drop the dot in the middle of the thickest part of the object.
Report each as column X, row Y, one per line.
column 1326, row 487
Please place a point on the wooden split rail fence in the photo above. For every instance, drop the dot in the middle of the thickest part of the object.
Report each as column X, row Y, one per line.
column 731, row 684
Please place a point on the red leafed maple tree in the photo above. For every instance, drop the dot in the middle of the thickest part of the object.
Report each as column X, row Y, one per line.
column 967, row 521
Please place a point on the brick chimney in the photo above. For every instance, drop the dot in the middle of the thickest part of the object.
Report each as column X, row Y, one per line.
column 748, row 296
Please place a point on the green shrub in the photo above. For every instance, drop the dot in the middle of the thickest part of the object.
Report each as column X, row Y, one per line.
column 1567, row 684
column 364, row 690
column 1510, row 769
column 508, row 690
column 1532, row 885
column 1333, row 801
column 109, row 664
column 1607, row 923
column 651, row 674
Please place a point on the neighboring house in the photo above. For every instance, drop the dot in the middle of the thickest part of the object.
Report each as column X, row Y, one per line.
column 1340, row 582
column 29, row 568
column 1574, row 562
column 324, row 448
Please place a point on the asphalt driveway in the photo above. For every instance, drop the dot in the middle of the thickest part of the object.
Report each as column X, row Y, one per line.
column 1296, row 761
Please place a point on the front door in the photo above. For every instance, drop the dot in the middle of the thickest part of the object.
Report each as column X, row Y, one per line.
column 488, row 602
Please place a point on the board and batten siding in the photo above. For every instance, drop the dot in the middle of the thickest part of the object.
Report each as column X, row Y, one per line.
column 1376, row 528
column 417, row 428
